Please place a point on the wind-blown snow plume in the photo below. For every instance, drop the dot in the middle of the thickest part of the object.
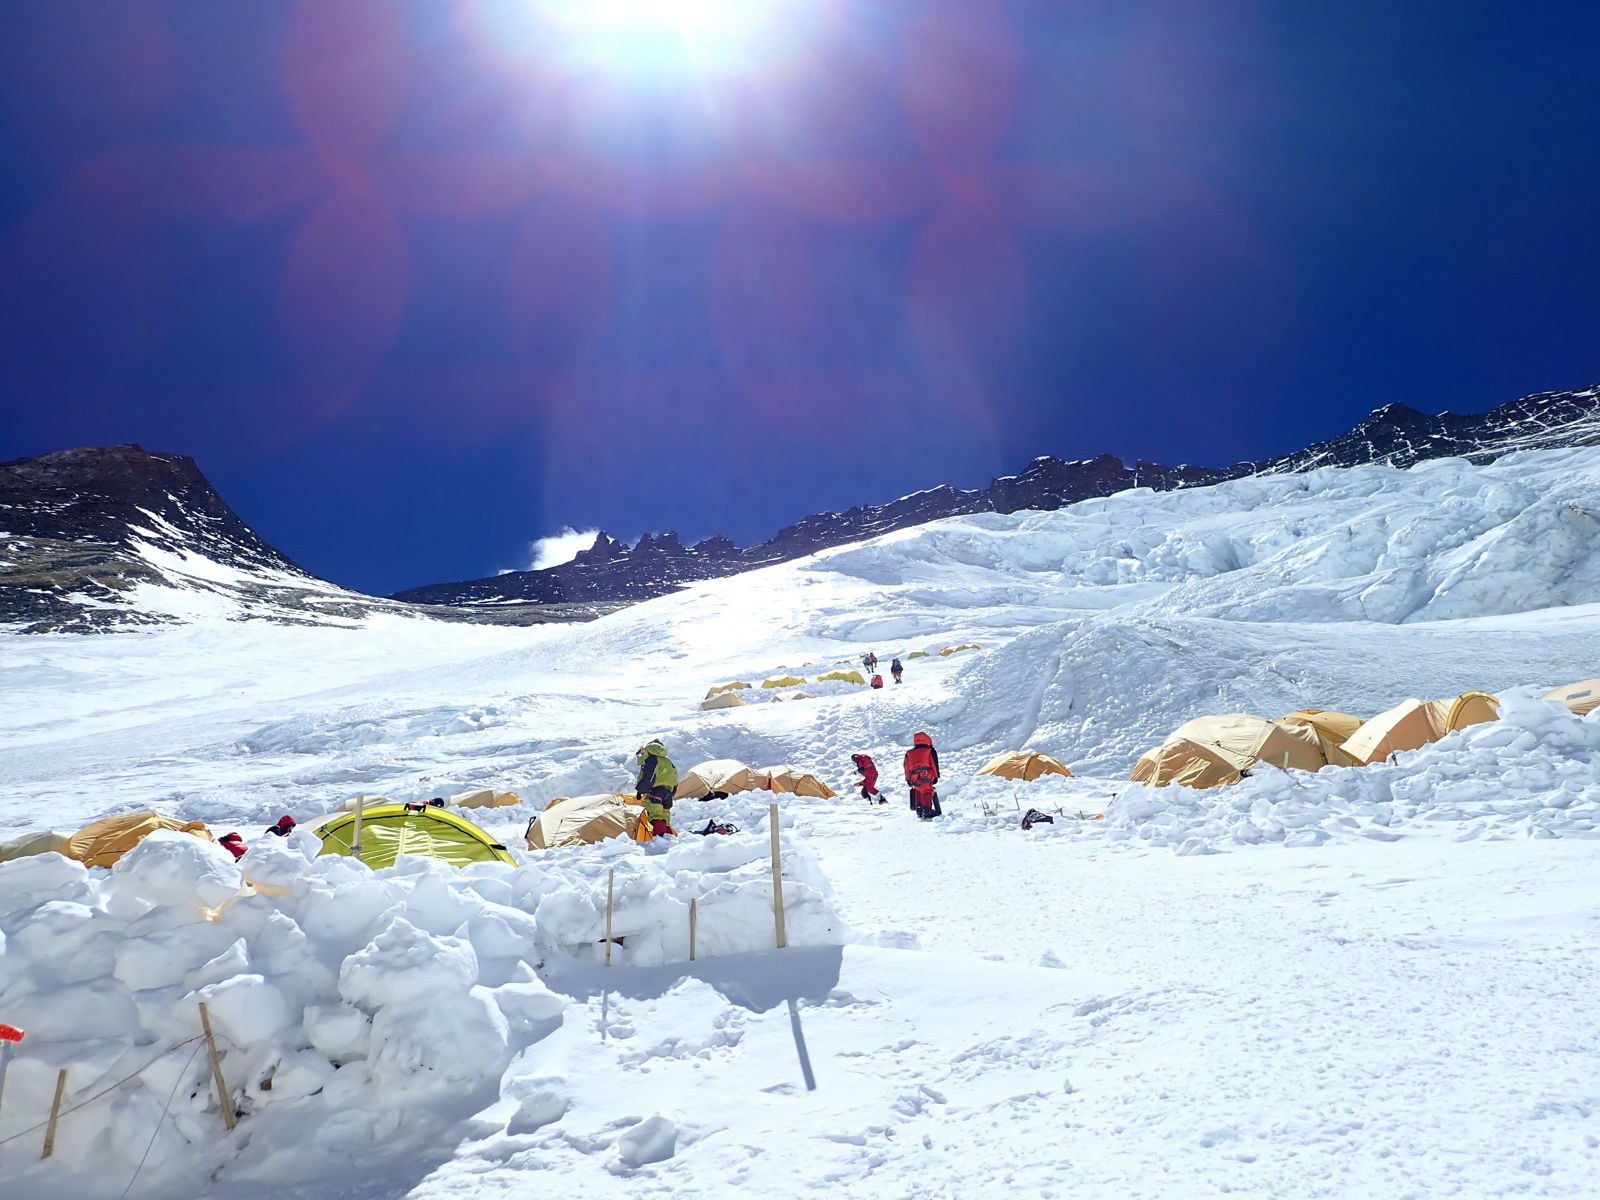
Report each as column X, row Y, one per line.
column 558, row 548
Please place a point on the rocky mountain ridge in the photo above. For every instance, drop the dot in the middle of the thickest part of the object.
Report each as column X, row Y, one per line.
column 611, row 571
column 109, row 537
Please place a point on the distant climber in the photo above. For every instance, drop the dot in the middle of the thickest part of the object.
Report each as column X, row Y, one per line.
column 922, row 776
column 873, row 655
column 655, row 784
column 866, row 662
column 284, row 827
column 868, row 783
column 896, row 670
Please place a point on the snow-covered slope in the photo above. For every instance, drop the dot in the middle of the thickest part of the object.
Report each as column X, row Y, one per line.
column 1359, row 983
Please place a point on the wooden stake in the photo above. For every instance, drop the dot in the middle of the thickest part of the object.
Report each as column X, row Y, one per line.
column 355, row 844
column 611, row 893
column 694, row 920
column 777, row 880
column 216, row 1065
column 55, row 1114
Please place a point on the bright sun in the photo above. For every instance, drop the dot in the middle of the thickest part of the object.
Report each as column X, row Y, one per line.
column 686, row 16
column 713, row 36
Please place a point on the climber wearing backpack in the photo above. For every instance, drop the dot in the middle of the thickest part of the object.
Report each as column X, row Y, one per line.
column 868, row 783
column 922, row 774
column 896, row 669
column 655, row 784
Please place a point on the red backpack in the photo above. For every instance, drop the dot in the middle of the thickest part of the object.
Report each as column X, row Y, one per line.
column 922, row 762
column 877, row 681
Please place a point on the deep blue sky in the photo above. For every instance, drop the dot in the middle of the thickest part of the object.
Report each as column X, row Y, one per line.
column 418, row 283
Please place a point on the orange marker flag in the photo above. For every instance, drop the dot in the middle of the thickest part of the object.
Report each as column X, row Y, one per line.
column 10, row 1033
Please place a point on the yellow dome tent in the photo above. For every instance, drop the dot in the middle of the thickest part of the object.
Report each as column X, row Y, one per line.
column 1581, row 697
column 1026, row 765
column 843, row 677
column 584, row 820
column 29, row 844
column 949, row 650
column 725, row 700
column 390, row 830
column 778, row 681
column 103, row 842
column 1331, row 730
column 724, row 775
column 1413, row 723
column 725, row 687
column 791, row 781
column 486, row 798
column 1212, row 751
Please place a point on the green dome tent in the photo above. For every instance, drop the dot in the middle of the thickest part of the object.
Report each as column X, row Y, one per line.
column 390, row 830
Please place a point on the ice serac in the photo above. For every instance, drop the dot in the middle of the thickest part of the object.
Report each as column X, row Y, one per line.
column 101, row 538
column 1395, row 434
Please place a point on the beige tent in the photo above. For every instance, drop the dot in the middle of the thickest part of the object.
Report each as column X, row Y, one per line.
column 719, row 775
column 1331, row 730
column 1581, row 697
column 30, row 844
column 725, row 687
column 487, row 798
column 1026, row 765
column 796, row 696
column 1414, row 723
column 843, row 677
column 949, row 650
column 105, row 841
column 1211, row 751
column 584, row 819
column 787, row 779
column 726, row 700
column 782, row 681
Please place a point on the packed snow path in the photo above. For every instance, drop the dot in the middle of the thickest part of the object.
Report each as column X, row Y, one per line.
column 1374, row 982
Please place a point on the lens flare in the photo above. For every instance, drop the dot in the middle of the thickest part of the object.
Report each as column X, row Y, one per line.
column 654, row 36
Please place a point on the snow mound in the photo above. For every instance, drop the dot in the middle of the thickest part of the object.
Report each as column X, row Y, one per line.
column 351, row 1007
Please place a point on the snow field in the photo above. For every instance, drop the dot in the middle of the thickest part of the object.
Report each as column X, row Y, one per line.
column 1382, row 988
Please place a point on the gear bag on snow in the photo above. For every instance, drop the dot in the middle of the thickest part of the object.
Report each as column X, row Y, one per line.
column 1034, row 817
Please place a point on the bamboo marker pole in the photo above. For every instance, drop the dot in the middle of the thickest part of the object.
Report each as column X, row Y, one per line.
column 355, row 845
column 55, row 1115
column 694, row 920
column 611, row 894
column 216, row 1065
column 777, row 880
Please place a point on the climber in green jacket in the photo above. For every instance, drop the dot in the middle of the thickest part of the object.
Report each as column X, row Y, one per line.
column 658, row 778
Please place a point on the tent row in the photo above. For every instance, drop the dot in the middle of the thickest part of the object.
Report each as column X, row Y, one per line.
column 580, row 820
column 725, row 695
column 383, row 833
column 1215, row 750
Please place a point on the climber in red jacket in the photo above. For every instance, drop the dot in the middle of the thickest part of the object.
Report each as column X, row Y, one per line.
column 922, row 775
column 868, row 783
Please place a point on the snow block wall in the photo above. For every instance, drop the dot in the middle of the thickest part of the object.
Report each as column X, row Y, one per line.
column 351, row 1007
